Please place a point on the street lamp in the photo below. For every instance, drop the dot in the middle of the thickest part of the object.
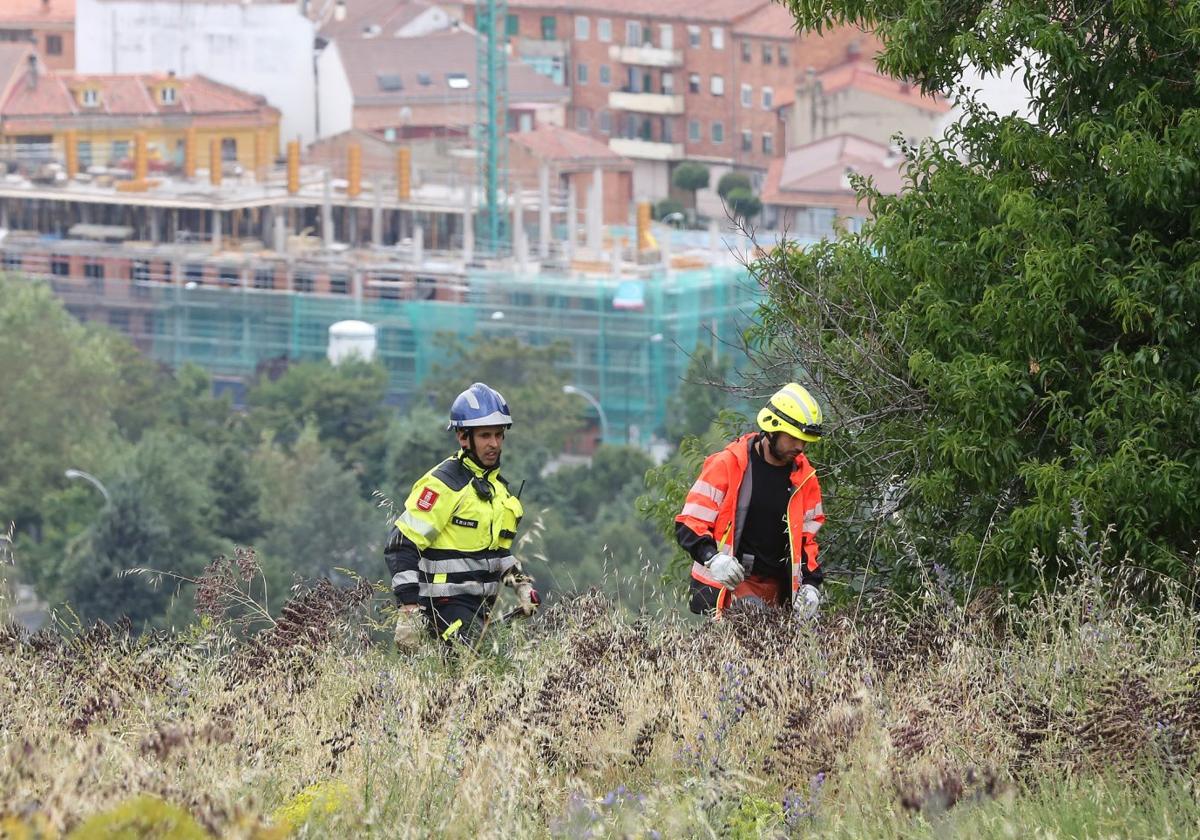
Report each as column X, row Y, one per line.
column 571, row 389
column 91, row 479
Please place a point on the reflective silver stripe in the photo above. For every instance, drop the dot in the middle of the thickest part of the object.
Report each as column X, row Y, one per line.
column 801, row 402
column 449, row 590
column 811, row 527
column 506, row 562
column 700, row 512
column 455, row 564
column 814, row 512
column 699, row 570
column 707, row 490
column 425, row 529
column 404, row 579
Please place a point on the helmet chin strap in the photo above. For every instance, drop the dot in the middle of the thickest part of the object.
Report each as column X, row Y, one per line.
column 775, row 453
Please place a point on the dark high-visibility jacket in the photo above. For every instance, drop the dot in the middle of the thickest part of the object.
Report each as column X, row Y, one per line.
column 455, row 535
column 715, row 511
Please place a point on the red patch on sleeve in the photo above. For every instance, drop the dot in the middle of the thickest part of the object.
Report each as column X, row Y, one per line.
column 427, row 499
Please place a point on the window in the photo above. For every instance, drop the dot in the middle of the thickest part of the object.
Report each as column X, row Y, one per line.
column 583, row 28
column 89, row 97
column 604, row 30
column 718, row 38
column 167, row 95
column 94, row 272
column 747, row 52
column 457, row 81
column 60, row 266
column 768, row 98
column 581, row 74
column 668, row 82
column 424, row 79
column 118, row 319
column 633, row 33
column 229, row 150
column 604, row 118
column 717, row 85
column 339, row 284
column 12, row 261
column 718, row 132
column 53, row 45
column 193, row 273
column 783, row 56
column 230, row 276
column 583, row 119
column 84, row 150
column 747, row 96
column 694, row 36
column 666, row 36
column 389, row 81
column 668, row 131
column 747, row 141
column 303, row 281
column 264, row 278
column 605, row 74
column 549, row 28
column 140, row 272
column 119, row 151
column 767, row 53
column 768, row 143
column 512, row 26
column 693, row 83
column 694, row 131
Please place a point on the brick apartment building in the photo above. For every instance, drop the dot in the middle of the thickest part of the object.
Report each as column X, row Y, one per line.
column 678, row 79
column 49, row 25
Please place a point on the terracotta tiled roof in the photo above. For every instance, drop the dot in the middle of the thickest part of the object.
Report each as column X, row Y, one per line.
column 550, row 142
column 771, row 21
column 37, row 11
column 416, row 70
column 699, row 11
column 820, row 168
column 131, row 95
column 863, row 75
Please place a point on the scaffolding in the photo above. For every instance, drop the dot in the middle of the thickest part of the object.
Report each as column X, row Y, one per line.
column 626, row 342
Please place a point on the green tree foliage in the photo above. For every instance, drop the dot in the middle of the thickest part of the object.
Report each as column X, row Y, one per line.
column 345, row 402
column 236, row 496
column 743, row 204
column 415, row 442
column 160, row 517
column 58, row 393
column 317, row 519
column 1016, row 331
column 698, row 400
column 689, row 177
column 731, row 181
column 531, row 380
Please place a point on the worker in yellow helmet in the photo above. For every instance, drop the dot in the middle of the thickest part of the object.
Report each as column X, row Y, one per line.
column 750, row 520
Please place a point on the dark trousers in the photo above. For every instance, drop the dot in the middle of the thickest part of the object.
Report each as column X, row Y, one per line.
column 458, row 619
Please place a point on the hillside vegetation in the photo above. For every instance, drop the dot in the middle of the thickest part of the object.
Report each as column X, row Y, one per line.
column 1076, row 717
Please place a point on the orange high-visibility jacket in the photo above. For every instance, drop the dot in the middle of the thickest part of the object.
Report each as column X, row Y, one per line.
column 715, row 507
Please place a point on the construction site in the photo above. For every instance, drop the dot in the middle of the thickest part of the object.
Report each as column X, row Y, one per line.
column 239, row 270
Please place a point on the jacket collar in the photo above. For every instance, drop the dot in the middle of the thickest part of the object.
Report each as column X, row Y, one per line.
column 740, row 449
column 470, row 464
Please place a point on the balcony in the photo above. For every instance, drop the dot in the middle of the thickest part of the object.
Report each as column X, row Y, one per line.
column 647, row 56
column 646, row 149
column 646, row 103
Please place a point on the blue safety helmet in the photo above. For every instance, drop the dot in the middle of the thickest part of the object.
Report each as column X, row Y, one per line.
column 479, row 405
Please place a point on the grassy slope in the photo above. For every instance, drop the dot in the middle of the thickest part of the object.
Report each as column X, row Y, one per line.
column 1064, row 719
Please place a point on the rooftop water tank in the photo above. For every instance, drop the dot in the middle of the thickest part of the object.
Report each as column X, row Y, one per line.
column 351, row 338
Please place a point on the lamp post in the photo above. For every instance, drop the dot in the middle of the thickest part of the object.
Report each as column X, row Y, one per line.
column 571, row 389
column 91, row 479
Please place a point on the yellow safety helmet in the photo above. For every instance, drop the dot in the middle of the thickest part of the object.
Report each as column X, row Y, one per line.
column 793, row 410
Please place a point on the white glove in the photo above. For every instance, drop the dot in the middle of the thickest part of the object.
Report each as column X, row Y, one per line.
column 726, row 570
column 805, row 602
column 410, row 631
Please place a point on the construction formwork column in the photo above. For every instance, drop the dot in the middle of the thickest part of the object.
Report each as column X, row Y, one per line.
column 214, row 162
column 572, row 218
column 293, row 167
column 404, row 174
column 189, row 153
column 141, row 166
column 353, row 171
column 544, row 211
column 71, row 140
column 377, row 215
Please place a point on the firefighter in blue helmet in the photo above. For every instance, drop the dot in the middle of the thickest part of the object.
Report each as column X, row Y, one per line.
column 451, row 548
